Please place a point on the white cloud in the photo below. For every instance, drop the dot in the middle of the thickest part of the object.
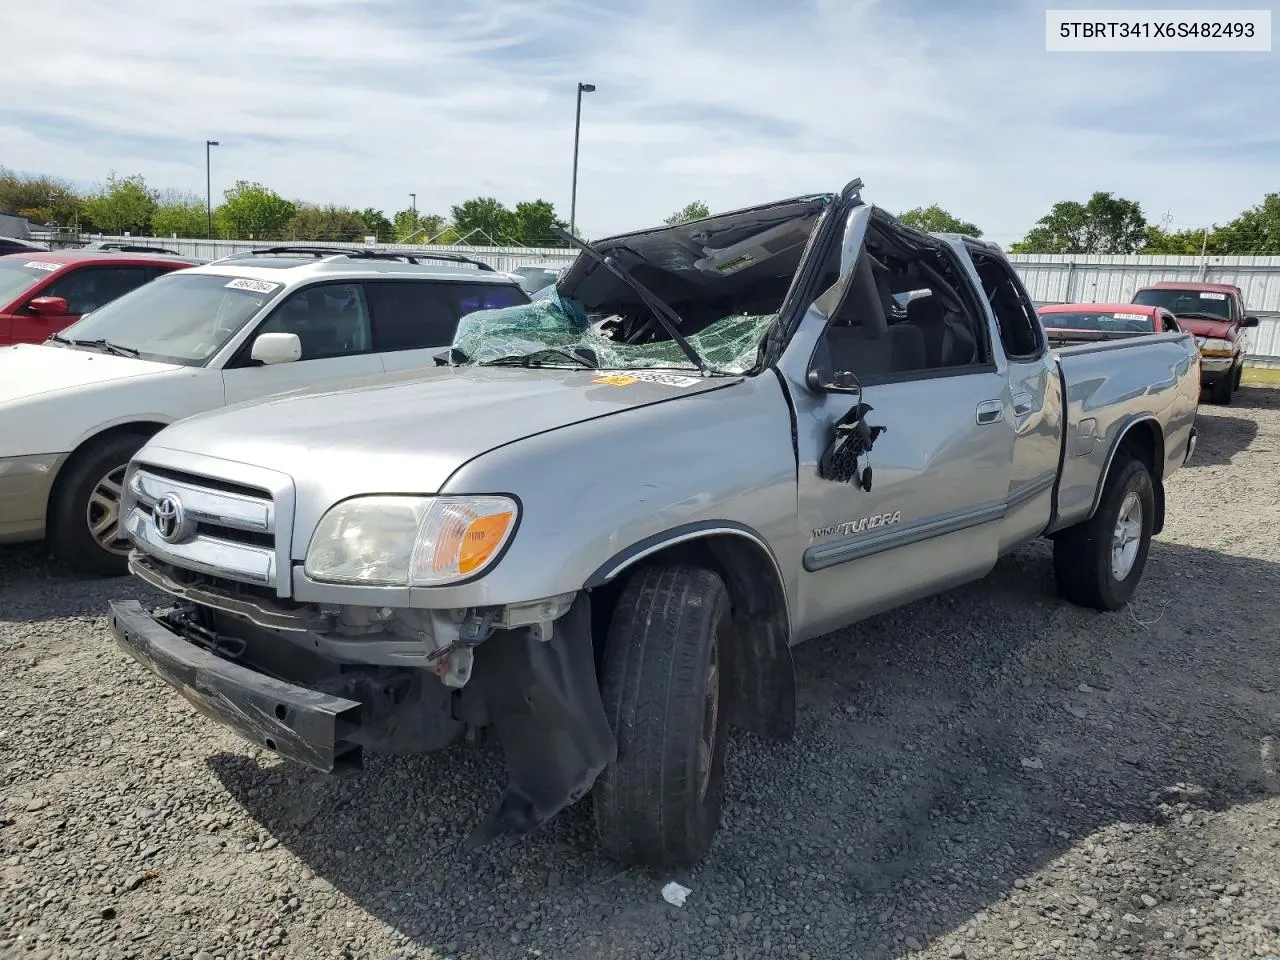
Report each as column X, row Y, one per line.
column 363, row 102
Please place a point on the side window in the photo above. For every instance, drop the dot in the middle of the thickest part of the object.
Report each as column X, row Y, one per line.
column 1015, row 316
column 410, row 315
column 331, row 320
column 907, row 322
column 90, row 287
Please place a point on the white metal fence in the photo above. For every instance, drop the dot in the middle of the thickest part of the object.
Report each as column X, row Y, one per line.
column 1050, row 278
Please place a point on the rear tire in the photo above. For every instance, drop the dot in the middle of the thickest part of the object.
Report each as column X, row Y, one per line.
column 663, row 682
column 1099, row 563
column 83, row 512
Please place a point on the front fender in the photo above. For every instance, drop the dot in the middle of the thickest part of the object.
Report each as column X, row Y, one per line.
column 594, row 493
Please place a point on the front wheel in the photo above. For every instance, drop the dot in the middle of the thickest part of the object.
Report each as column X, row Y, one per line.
column 664, row 687
column 1099, row 563
column 1220, row 390
column 84, row 512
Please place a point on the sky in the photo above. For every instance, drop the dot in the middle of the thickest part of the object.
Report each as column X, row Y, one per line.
column 731, row 102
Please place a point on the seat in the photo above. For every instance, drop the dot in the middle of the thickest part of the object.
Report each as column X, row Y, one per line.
column 860, row 339
column 947, row 340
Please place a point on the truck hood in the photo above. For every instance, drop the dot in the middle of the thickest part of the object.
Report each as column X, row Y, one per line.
column 30, row 369
column 1206, row 328
column 409, row 433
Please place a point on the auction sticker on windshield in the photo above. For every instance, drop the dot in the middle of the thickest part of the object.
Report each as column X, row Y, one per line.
column 257, row 286
column 1213, row 296
column 42, row 265
column 1130, row 316
column 626, row 379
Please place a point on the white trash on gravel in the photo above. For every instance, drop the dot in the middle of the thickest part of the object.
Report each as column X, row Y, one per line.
column 675, row 894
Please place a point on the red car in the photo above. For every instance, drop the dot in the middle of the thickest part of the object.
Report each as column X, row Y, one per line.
column 44, row 292
column 1214, row 314
column 1082, row 322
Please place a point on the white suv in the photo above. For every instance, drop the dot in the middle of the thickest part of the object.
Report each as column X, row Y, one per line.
column 74, row 410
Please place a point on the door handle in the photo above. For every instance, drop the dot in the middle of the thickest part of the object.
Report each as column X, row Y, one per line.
column 1023, row 404
column 990, row 411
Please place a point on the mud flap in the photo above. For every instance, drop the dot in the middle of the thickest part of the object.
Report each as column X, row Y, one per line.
column 544, row 701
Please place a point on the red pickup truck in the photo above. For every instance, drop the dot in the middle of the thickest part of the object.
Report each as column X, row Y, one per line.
column 44, row 292
column 1214, row 314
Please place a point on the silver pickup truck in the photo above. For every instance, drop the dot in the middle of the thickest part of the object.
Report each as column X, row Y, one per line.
column 597, row 527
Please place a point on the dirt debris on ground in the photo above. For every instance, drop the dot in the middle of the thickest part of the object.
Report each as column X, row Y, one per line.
column 988, row 774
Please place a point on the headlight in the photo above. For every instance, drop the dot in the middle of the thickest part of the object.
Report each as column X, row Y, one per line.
column 402, row 541
column 1213, row 347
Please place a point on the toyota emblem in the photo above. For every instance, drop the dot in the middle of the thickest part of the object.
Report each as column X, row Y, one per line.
column 169, row 518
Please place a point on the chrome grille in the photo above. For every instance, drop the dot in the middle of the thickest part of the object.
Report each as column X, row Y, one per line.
column 206, row 526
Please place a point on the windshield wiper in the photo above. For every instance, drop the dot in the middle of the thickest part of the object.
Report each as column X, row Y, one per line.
column 1203, row 316
column 532, row 359
column 669, row 319
column 108, row 346
column 59, row 338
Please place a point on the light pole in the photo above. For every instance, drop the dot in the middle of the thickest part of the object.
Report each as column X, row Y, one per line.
column 208, row 189
column 413, row 199
column 577, row 126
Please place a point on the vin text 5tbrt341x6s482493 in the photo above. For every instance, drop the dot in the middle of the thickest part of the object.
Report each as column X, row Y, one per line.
column 601, row 526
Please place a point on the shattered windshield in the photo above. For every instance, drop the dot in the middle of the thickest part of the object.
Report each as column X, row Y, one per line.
column 554, row 329
column 723, row 278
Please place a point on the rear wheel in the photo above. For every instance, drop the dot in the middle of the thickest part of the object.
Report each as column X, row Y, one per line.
column 1099, row 563
column 86, row 507
column 664, row 687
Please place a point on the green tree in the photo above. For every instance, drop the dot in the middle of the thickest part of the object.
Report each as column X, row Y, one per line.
column 535, row 220
column 38, row 198
column 1255, row 232
column 123, row 204
column 692, row 211
column 934, row 219
column 1106, row 224
column 483, row 221
column 313, row 222
column 180, row 214
column 411, row 227
column 249, row 211
column 376, row 224
column 1180, row 242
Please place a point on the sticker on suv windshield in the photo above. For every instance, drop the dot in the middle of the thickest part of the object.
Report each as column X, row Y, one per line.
column 42, row 265
column 626, row 379
column 257, row 286
column 1213, row 296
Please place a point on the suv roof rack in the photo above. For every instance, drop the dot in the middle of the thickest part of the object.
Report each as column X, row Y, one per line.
column 135, row 248
column 357, row 253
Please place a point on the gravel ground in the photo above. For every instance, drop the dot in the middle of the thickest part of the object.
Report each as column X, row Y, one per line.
column 991, row 773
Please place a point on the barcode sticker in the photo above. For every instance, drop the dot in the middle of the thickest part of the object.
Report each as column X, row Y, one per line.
column 257, row 286
column 43, row 265
column 1213, row 296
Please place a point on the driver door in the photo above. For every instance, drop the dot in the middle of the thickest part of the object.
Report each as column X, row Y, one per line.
column 332, row 322
column 940, row 471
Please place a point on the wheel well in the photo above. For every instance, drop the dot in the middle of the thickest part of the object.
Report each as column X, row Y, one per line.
column 144, row 429
column 1144, row 442
column 763, row 685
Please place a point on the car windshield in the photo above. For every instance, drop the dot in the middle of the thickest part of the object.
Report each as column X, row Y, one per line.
column 1118, row 322
column 723, row 279
column 20, row 273
column 1188, row 303
column 179, row 318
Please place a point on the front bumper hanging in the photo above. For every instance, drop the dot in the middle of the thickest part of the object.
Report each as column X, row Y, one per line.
column 301, row 724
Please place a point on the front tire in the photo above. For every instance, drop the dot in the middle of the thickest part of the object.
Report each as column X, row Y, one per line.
column 1099, row 563
column 663, row 682
column 1220, row 390
column 84, row 511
